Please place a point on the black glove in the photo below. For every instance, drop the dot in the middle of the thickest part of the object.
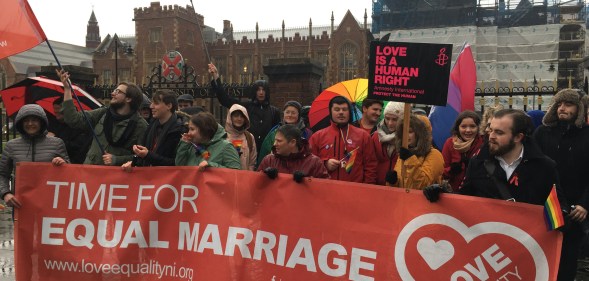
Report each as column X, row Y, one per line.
column 432, row 192
column 298, row 176
column 405, row 153
column 455, row 168
column 271, row 172
column 391, row 177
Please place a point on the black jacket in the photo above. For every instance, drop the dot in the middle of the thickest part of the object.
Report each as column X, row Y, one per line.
column 531, row 182
column 568, row 146
column 165, row 143
column 263, row 116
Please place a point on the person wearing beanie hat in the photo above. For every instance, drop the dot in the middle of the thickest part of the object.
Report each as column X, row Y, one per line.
column 34, row 145
column 185, row 100
column 371, row 110
column 291, row 113
column 263, row 115
column 337, row 143
column 563, row 137
column 384, row 140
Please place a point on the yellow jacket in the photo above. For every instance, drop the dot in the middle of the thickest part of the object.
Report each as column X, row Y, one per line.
column 421, row 172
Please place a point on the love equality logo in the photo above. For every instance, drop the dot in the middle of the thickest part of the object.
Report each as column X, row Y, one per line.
column 442, row 246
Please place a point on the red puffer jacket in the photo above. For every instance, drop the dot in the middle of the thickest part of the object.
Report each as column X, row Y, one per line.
column 303, row 161
column 334, row 143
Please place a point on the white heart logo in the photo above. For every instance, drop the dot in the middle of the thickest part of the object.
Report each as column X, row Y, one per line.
column 469, row 233
column 435, row 253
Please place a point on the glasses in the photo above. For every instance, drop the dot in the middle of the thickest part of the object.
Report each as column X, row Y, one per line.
column 118, row 91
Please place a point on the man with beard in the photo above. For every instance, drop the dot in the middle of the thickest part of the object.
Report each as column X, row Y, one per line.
column 563, row 137
column 117, row 127
column 346, row 151
column 510, row 167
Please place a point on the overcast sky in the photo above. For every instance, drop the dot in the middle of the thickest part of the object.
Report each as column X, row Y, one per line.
column 66, row 20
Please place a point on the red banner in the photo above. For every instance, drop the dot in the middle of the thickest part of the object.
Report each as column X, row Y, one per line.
column 19, row 28
column 174, row 223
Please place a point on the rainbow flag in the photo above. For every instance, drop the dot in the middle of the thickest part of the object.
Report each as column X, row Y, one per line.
column 463, row 80
column 552, row 211
column 350, row 158
column 237, row 144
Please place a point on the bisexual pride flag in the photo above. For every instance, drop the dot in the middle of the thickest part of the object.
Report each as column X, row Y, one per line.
column 463, row 79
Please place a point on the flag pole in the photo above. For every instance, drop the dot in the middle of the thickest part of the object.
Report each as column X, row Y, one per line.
column 77, row 99
column 405, row 144
column 204, row 45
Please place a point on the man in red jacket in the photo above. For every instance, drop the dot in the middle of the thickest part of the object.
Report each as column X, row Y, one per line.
column 347, row 152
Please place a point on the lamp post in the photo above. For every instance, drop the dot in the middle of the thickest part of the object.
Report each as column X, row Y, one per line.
column 244, row 75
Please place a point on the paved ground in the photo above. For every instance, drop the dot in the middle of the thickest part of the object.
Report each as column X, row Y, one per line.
column 6, row 246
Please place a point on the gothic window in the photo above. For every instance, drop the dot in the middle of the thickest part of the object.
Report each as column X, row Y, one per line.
column 348, row 62
column 221, row 65
column 245, row 67
column 106, row 77
column 155, row 34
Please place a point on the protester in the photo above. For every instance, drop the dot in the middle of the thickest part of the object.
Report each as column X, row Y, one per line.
column 33, row 146
column 564, row 137
column 204, row 145
column 117, row 127
column 537, row 116
column 158, row 145
column 145, row 109
column 423, row 164
column 77, row 142
column 384, row 140
column 461, row 146
column 347, row 151
column 510, row 166
column 371, row 110
column 263, row 116
column 485, row 130
column 291, row 115
column 236, row 126
column 291, row 155
column 185, row 101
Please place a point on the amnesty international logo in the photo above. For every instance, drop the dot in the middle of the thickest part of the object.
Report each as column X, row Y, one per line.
column 442, row 57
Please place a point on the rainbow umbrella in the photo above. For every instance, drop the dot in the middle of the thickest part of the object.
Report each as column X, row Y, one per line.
column 354, row 90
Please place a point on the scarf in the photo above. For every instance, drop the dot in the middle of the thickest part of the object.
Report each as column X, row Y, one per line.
column 385, row 137
column 109, row 120
column 460, row 145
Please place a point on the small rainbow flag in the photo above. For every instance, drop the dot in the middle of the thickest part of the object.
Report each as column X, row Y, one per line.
column 237, row 144
column 350, row 158
column 552, row 211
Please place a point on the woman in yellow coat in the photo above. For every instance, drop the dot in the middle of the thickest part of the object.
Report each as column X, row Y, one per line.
column 424, row 164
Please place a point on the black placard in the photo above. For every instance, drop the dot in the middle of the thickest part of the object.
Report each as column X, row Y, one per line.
column 409, row 72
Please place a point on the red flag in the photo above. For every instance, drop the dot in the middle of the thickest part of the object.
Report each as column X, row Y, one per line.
column 19, row 28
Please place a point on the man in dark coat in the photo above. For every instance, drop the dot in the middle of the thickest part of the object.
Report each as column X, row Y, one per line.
column 263, row 116
column 158, row 146
column 510, row 161
column 117, row 127
column 564, row 137
column 291, row 154
column 77, row 142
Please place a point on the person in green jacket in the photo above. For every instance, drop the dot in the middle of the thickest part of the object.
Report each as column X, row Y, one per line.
column 205, row 145
column 117, row 127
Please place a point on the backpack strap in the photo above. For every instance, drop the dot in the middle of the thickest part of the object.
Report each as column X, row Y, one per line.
column 501, row 187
